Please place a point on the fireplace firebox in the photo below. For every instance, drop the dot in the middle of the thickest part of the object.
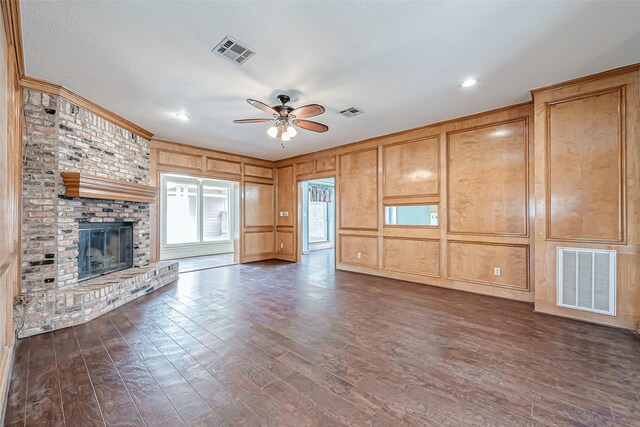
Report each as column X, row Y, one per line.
column 103, row 248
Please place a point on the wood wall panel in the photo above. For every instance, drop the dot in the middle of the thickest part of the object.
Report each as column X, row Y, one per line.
column 586, row 159
column 326, row 164
column 258, row 204
column 412, row 169
column 284, row 243
column 305, row 168
column 258, row 171
column 409, row 255
column 587, row 184
column 285, row 196
column 475, row 262
column 359, row 190
column 11, row 112
column 258, row 243
column 488, row 179
column 181, row 160
column 223, row 166
column 351, row 245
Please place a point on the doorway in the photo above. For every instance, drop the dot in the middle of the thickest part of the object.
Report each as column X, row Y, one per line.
column 198, row 221
column 318, row 220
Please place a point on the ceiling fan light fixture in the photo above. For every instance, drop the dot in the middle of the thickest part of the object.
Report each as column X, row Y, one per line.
column 291, row 131
column 286, row 117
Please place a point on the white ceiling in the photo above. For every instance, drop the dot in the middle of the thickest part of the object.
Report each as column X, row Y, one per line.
column 402, row 62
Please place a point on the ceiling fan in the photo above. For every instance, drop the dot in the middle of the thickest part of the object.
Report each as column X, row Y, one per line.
column 286, row 117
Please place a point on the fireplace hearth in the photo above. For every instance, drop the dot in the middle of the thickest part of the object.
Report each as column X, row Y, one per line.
column 103, row 248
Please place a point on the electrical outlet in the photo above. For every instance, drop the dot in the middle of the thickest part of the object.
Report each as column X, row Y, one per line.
column 359, row 255
column 497, row 271
column 281, row 213
column 286, row 213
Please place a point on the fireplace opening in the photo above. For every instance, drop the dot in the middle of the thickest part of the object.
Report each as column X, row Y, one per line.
column 104, row 247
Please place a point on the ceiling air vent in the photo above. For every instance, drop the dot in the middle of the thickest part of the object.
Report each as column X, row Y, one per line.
column 352, row 111
column 233, row 50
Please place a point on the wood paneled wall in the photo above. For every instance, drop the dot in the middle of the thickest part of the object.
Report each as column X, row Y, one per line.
column 285, row 214
column 587, row 183
column 359, row 189
column 411, row 168
column 477, row 170
column 10, row 183
column 289, row 175
column 487, row 176
column 257, row 236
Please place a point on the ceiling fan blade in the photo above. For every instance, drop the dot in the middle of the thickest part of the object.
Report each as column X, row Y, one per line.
column 309, row 125
column 252, row 120
column 262, row 106
column 310, row 110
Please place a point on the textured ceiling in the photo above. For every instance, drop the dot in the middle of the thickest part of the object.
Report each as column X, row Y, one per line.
column 402, row 62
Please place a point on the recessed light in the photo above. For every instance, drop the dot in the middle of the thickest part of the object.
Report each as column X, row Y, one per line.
column 469, row 82
column 183, row 116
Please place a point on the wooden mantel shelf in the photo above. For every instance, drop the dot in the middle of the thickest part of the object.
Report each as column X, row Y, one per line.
column 95, row 187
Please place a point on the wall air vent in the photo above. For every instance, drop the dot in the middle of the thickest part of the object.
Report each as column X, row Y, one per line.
column 233, row 50
column 586, row 280
column 352, row 111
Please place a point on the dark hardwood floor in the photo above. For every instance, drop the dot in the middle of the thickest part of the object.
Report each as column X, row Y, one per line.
column 205, row 262
column 281, row 344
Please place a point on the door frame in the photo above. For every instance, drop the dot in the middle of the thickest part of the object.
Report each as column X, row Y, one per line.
column 299, row 210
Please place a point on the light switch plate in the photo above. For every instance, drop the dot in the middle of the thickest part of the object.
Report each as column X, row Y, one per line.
column 497, row 271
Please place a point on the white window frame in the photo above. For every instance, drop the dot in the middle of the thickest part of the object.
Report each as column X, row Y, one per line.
column 202, row 247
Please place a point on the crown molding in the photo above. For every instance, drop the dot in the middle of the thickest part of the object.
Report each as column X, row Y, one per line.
column 210, row 152
column 39, row 85
column 13, row 31
column 608, row 73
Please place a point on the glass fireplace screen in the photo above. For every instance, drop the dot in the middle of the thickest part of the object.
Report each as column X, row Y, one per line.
column 104, row 248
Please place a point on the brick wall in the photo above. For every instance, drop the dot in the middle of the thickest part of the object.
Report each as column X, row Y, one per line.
column 39, row 193
column 59, row 137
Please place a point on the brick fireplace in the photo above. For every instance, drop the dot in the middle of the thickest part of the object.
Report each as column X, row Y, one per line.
column 61, row 137
column 103, row 248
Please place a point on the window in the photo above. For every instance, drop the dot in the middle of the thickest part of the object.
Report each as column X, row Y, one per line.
column 195, row 211
column 420, row 215
column 215, row 213
column 318, row 222
column 181, row 211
